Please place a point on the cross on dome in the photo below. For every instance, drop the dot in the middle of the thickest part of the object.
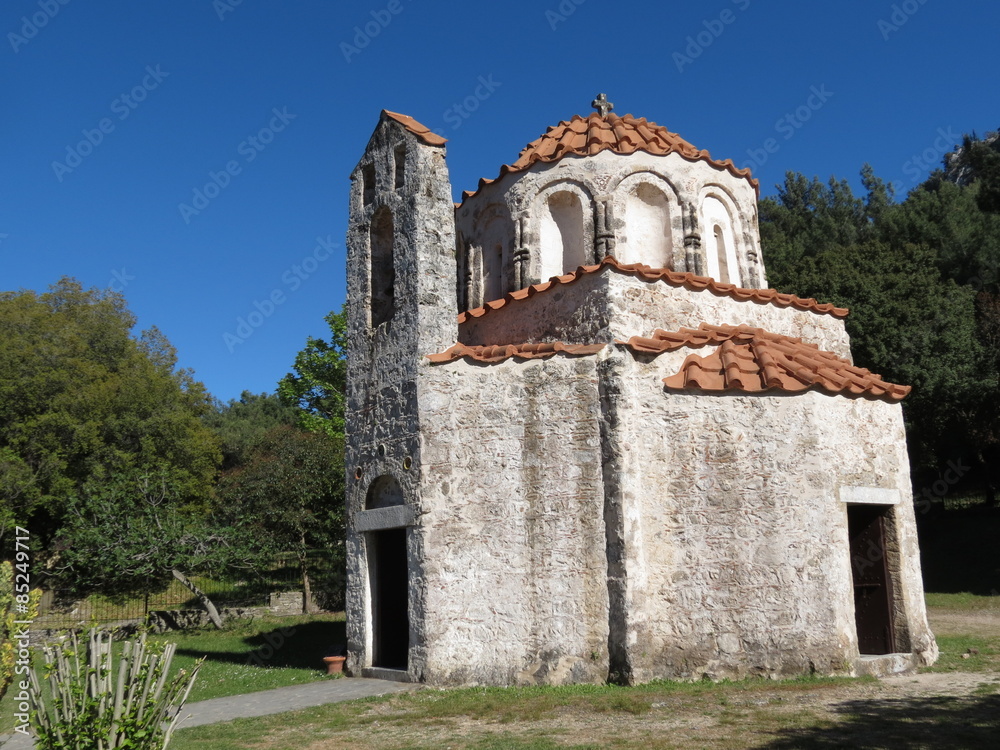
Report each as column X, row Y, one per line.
column 602, row 105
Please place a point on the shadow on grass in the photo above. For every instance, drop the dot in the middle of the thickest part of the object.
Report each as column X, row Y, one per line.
column 298, row 647
column 958, row 723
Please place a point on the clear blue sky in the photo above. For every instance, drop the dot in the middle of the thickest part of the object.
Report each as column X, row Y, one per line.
column 173, row 91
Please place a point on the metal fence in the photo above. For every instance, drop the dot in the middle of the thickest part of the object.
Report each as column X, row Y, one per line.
column 61, row 609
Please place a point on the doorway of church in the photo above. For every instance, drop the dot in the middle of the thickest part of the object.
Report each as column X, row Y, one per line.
column 389, row 578
column 873, row 604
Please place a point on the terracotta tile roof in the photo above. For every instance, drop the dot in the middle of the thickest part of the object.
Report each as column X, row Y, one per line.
column 685, row 280
column 423, row 132
column 752, row 360
column 521, row 351
column 586, row 136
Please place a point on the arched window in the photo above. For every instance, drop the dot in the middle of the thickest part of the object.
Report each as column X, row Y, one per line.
column 720, row 252
column 382, row 271
column 384, row 492
column 562, row 235
column 649, row 238
column 493, row 281
column 720, row 242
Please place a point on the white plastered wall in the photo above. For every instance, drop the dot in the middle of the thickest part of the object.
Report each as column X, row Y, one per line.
column 564, row 216
column 652, row 227
column 610, row 177
column 719, row 239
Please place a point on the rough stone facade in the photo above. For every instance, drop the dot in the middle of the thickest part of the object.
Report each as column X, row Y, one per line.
column 521, row 513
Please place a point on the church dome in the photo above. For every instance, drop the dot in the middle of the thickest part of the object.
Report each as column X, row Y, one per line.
column 588, row 136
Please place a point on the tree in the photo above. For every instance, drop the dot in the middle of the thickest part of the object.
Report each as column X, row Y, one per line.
column 909, row 321
column 241, row 425
column 319, row 385
column 130, row 535
column 292, row 487
column 83, row 401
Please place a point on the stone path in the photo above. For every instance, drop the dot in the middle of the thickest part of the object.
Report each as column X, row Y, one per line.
column 263, row 703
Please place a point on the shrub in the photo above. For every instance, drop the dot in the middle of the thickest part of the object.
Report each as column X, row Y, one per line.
column 9, row 615
column 92, row 704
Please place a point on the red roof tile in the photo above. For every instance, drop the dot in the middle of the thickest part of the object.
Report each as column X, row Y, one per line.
column 521, row 351
column 685, row 280
column 421, row 131
column 586, row 136
column 751, row 360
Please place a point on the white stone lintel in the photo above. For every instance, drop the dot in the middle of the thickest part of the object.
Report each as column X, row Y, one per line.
column 869, row 496
column 392, row 517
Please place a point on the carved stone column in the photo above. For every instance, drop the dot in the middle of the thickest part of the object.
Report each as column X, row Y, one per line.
column 474, row 290
column 604, row 232
column 522, row 255
column 693, row 260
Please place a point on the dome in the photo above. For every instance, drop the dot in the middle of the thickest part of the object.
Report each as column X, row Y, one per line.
column 587, row 136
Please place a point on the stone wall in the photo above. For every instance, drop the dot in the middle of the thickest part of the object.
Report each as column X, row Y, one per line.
column 604, row 182
column 405, row 176
column 735, row 530
column 609, row 305
column 513, row 527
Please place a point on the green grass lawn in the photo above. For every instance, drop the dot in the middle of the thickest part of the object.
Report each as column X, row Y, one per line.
column 247, row 657
column 755, row 713
column 275, row 652
column 530, row 718
column 258, row 655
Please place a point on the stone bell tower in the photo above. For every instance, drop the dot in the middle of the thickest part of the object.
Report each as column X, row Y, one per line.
column 401, row 305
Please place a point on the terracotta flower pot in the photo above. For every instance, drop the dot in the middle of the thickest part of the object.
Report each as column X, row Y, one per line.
column 334, row 664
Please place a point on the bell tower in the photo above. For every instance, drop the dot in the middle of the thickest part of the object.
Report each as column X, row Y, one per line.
column 401, row 306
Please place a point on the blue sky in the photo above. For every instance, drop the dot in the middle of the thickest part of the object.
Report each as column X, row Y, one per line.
column 118, row 115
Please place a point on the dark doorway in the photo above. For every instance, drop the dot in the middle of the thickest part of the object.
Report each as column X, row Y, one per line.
column 872, row 584
column 389, row 584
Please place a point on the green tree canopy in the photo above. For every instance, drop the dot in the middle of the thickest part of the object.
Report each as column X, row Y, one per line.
column 292, row 490
column 318, row 386
column 241, row 425
column 912, row 275
column 82, row 400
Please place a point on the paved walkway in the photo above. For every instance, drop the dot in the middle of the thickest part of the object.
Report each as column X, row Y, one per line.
column 263, row 703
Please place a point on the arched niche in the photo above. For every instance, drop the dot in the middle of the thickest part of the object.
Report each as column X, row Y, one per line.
column 565, row 230
column 651, row 213
column 384, row 492
column 493, row 234
column 719, row 239
column 382, row 271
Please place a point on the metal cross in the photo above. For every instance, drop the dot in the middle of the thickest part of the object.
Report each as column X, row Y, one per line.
column 602, row 105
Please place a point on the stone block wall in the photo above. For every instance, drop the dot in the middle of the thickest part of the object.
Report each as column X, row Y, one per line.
column 512, row 524
column 734, row 527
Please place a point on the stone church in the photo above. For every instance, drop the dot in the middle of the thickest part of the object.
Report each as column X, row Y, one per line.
column 585, row 442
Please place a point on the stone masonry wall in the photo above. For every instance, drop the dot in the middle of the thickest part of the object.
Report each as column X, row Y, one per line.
column 603, row 307
column 734, row 530
column 382, row 411
column 514, row 544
